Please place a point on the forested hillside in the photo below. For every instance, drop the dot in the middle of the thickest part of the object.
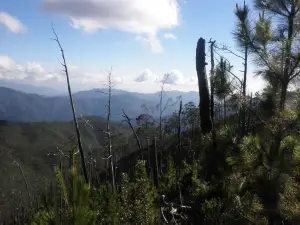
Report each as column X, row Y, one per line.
column 36, row 146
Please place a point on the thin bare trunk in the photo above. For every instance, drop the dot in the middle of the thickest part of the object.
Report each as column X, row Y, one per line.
column 160, row 115
column 149, row 155
column 156, row 170
column 224, row 105
column 212, row 92
column 212, row 85
column 179, row 141
column 249, row 117
column 244, row 91
column 64, row 64
column 179, row 128
column 110, row 153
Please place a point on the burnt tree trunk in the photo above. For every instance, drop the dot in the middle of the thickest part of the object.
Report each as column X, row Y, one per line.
column 204, row 106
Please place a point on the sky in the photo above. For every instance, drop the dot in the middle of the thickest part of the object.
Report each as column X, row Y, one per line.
column 138, row 40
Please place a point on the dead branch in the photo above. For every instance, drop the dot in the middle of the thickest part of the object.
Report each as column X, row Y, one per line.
column 128, row 120
column 227, row 49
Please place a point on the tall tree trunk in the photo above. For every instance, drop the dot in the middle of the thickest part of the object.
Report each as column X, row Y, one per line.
column 224, row 105
column 204, row 106
column 179, row 140
column 283, row 93
column 288, row 49
column 155, row 169
column 149, row 156
column 212, row 86
column 244, row 91
column 110, row 153
column 249, row 114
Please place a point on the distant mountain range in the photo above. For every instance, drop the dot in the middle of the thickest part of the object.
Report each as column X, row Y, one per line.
column 31, row 89
column 20, row 106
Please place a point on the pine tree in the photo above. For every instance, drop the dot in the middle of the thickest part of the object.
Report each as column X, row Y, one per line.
column 137, row 198
column 276, row 50
column 221, row 82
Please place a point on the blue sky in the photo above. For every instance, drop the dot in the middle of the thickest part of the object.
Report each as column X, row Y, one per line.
column 139, row 39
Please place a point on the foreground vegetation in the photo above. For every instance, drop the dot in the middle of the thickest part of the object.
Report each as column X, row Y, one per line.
column 202, row 165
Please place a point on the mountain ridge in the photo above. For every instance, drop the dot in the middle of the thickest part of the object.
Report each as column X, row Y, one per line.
column 19, row 106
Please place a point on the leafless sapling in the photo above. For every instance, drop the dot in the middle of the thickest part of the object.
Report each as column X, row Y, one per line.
column 110, row 152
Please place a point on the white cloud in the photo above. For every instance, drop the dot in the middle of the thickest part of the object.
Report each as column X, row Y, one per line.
column 174, row 77
column 35, row 72
column 170, row 36
column 11, row 23
column 32, row 71
column 6, row 62
column 142, row 17
column 146, row 75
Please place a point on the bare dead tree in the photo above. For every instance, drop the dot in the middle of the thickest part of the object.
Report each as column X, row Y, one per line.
column 160, row 106
column 164, row 106
column 128, row 121
column 64, row 64
column 110, row 158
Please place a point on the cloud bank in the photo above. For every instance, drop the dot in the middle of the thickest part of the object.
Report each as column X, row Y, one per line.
column 35, row 73
column 175, row 77
column 145, row 18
